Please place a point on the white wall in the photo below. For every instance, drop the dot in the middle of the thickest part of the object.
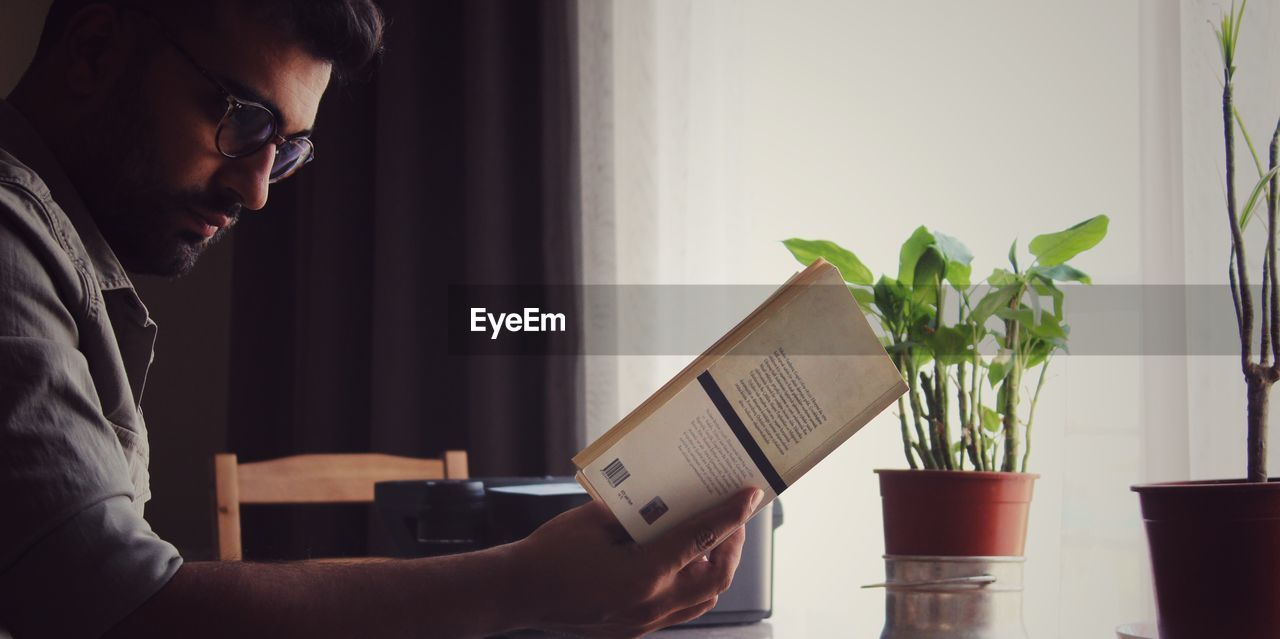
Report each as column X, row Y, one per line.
column 737, row 123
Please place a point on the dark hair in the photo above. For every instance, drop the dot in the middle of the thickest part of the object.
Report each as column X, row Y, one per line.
column 345, row 33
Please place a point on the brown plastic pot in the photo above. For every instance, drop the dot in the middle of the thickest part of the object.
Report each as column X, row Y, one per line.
column 1215, row 556
column 955, row 513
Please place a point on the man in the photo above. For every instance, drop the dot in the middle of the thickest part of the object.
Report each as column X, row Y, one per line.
column 137, row 138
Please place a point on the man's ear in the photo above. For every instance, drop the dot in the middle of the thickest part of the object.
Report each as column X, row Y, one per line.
column 98, row 44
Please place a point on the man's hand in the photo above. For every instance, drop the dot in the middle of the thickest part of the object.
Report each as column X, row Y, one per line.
column 583, row 576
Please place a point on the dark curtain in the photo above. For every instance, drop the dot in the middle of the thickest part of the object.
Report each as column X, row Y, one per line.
column 455, row 164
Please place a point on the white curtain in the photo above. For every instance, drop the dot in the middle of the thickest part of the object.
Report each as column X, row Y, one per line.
column 713, row 129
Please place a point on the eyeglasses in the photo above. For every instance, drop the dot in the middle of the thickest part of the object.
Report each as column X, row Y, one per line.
column 247, row 126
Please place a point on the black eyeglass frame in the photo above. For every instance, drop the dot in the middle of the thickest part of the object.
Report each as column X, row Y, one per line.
column 235, row 104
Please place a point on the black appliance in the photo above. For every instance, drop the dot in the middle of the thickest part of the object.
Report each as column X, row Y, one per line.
column 435, row 517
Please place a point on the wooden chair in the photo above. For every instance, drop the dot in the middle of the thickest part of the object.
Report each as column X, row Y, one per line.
column 312, row 479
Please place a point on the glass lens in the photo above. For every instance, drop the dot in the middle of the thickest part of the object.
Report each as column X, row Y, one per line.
column 245, row 129
column 290, row 156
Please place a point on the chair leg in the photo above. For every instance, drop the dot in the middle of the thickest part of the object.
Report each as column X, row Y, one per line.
column 227, row 500
column 455, row 464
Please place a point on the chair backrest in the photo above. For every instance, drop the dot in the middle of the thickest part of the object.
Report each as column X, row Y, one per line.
column 312, row 479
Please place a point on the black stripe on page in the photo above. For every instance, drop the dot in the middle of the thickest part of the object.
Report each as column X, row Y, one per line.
column 740, row 430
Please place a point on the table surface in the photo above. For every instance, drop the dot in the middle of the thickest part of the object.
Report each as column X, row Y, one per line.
column 765, row 630
column 760, row 630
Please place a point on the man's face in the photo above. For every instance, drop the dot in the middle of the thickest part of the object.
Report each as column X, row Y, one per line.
column 158, row 187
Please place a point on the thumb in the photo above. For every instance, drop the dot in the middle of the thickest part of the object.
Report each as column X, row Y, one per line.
column 697, row 536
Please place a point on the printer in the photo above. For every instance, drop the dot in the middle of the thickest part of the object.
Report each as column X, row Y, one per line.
column 439, row 517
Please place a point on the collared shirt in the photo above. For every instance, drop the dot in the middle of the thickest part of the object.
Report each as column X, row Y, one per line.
column 76, row 555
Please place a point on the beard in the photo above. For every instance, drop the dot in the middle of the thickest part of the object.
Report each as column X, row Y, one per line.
column 139, row 215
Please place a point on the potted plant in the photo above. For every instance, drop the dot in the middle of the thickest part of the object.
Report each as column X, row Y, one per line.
column 964, row 411
column 1215, row 545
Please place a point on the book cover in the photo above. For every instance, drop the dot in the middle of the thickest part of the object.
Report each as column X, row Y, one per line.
column 767, row 402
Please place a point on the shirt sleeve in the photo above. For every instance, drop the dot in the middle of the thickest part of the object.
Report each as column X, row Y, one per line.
column 76, row 556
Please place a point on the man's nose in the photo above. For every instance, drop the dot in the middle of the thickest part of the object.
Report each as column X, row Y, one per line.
column 249, row 176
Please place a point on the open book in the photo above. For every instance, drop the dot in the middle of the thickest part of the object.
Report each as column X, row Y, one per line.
column 767, row 402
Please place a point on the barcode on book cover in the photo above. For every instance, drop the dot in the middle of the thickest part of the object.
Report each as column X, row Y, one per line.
column 616, row 473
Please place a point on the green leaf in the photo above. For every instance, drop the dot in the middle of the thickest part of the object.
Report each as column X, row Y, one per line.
column 1045, row 286
column 851, row 268
column 951, row 345
column 929, row 272
column 1034, row 301
column 901, row 347
column 1001, row 277
column 864, row 296
column 973, row 333
column 890, row 297
column 991, row 419
column 1064, row 273
column 1048, row 328
column 1055, row 248
column 952, row 249
column 921, row 357
column 1040, row 353
column 959, row 259
column 1024, row 315
column 1244, row 133
column 1252, row 203
column 911, row 251
column 995, row 299
column 999, row 368
column 958, row 275
column 1013, row 255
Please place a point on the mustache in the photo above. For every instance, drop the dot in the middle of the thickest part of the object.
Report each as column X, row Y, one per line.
column 225, row 203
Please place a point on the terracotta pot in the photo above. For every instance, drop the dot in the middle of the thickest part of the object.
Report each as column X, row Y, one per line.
column 955, row 513
column 1215, row 555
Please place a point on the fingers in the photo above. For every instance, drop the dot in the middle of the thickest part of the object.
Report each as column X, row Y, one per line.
column 730, row 550
column 696, row 537
column 702, row 580
column 593, row 516
column 687, row 614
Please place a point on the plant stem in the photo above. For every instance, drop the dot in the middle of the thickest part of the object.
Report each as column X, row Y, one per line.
column 941, row 418
column 1031, row 415
column 940, row 444
column 1257, row 379
column 1270, row 272
column 1240, row 285
column 1258, row 388
column 1235, row 290
column 908, row 444
column 940, row 381
column 917, row 411
column 985, row 454
column 967, row 427
column 906, row 435
column 1010, row 385
column 1264, row 347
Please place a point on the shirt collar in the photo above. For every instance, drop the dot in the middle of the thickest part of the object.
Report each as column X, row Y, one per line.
column 19, row 138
